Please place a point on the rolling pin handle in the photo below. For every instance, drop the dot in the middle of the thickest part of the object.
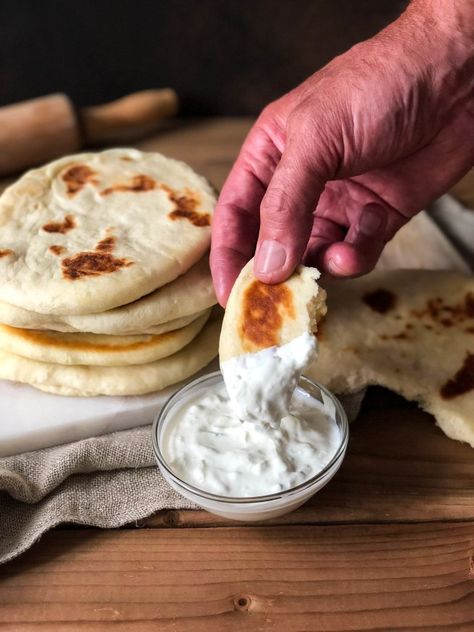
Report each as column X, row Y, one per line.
column 128, row 118
column 36, row 131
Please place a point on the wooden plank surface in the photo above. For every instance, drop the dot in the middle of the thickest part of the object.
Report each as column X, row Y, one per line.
column 388, row 545
column 265, row 578
column 399, row 467
column 308, row 573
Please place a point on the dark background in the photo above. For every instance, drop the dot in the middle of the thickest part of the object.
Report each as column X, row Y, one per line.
column 223, row 57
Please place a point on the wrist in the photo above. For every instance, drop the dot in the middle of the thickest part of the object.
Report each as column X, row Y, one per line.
column 449, row 19
column 437, row 35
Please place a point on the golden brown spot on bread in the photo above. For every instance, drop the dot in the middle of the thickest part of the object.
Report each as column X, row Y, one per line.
column 381, row 301
column 197, row 219
column 94, row 263
column 262, row 315
column 447, row 322
column 56, row 250
column 463, row 380
column 185, row 207
column 139, row 184
column 469, row 330
column 5, row 252
column 77, row 176
column 49, row 339
column 447, row 315
column 469, row 304
column 401, row 336
column 61, row 227
column 106, row 244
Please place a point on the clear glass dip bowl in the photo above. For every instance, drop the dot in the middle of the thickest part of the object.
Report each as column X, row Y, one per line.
column 257, row 507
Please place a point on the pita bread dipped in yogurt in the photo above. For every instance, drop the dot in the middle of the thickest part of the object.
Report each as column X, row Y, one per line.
column 259, row 432
column 267, row 340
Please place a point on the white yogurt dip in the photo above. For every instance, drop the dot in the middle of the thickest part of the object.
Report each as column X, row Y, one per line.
column 206, row 445
column 260, row 385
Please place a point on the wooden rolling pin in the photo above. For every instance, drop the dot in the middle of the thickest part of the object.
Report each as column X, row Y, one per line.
column 38, row 130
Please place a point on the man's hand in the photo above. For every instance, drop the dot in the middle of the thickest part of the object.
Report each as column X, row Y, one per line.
column 333, row 169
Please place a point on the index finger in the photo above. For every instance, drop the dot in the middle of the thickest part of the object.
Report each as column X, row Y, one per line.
column 236, row 219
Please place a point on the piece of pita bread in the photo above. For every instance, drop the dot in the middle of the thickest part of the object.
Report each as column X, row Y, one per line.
column 90, row 232
column 411, row 331
column 96, row 349
column 89, row 381
column 259, row 316
column 170, row 307
column 267, row 340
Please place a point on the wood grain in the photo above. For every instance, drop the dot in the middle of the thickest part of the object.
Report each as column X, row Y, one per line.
column 209, row 145
column 399, row 467
column 388, row 545
column 278, row 578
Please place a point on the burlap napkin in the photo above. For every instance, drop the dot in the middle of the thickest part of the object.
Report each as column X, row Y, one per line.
column 104, row 481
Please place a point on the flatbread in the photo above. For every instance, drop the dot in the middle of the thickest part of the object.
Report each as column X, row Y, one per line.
column 93, row 231
column 90, row 381
column 171, row 325
column 259, row 316
column 411, row 331
column 96, row 349
column 170, row 307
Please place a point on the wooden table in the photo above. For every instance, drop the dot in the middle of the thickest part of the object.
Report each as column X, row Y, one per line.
column 388, row 545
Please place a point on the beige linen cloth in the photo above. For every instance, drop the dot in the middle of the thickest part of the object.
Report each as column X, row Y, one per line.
column 105, row 481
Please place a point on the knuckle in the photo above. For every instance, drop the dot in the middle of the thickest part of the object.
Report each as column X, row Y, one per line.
column 268, row 113
column 276, row 203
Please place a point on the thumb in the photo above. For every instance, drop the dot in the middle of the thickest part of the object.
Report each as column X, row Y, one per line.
column 286, row 214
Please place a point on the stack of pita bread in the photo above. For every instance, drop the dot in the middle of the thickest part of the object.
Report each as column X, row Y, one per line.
column 105, row 287
column 411, row 331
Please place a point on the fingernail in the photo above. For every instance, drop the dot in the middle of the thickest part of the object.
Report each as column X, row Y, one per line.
column 219, row 289
column 371, row 219
column 271, row 257
column 333, row 267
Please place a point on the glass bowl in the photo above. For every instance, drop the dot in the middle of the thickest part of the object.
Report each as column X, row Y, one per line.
column 257, row 507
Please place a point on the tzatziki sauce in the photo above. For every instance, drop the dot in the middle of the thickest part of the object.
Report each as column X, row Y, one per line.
column 207, row 445
column 260, row 385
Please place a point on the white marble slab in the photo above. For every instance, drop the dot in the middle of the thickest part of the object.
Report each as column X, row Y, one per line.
column 31, row 419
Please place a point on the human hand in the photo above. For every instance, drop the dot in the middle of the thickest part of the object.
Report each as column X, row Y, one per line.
column 334, row 168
